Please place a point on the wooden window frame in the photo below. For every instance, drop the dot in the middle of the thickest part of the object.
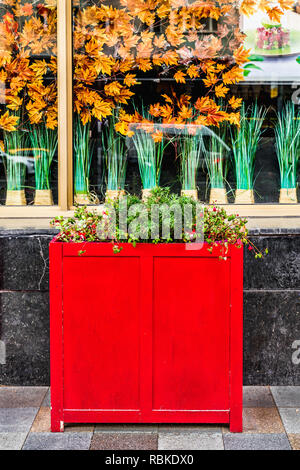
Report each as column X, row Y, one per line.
column 34, row 214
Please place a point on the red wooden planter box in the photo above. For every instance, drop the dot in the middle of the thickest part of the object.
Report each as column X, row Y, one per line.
column 150, row 335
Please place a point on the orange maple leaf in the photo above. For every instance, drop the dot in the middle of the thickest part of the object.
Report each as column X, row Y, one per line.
column 144, row 64
column 130, row 80
column 179, row 77
column 221, row 91
column 235, row 102
column 102, row 109
column 211, row 80
column 8, row 123
column 241, row 55
column 248, row 7
column 185, row 112
column 233, row 75
column 275, row 14
column 234, row 118
column 123, row 128
column 155, row 110
column 157, row 136
column 286, row 4
column 112, row 89
column 193, row 71
column 160, row 41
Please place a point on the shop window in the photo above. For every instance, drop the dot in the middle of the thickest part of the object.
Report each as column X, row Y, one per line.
column 162, row 95
column 136, row 116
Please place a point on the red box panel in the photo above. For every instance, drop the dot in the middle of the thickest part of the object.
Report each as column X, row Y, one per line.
column 190, row 334
column 101, row 333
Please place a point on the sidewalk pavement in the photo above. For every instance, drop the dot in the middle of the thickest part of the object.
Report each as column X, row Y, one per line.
column 271, row 422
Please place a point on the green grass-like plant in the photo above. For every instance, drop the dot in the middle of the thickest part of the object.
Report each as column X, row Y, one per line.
column 15, row 158
column 44, row 145
column 215, row 155
column 190, row 151
column 245, row 140
column 115, row 155
column 149, row 152
column 83, row 149
column 287, row 137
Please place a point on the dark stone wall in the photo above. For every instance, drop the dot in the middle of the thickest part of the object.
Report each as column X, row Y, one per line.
column 24, row 307
column 271, row 309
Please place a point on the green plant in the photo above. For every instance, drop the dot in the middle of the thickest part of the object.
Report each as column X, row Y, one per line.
column 44, row 145
column 287, row 136
column 115, row 154
column 82, row 155
column 215, row 155
column 149, row 154
column 245, row 140
column 190, row 150
column 220, row 229
column 15, row 158
column 149, row 151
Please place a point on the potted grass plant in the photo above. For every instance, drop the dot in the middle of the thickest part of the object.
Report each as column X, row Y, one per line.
column 115, row 158
column 215, row 155
column 190, row 151
column 245, row 140
column 287, row 136
column 149, row 155
column 83, row 150
column 15, row 157
column 149, row 144
column 43, row 146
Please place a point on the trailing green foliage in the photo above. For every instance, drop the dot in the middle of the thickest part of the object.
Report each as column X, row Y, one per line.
column 83, row 149
column 245, row 141
column 43, row 146
column 220, row 228
column 115, row 154
column 287, row 137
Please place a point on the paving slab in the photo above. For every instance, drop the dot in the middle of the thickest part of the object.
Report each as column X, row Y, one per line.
column 46, row 401
column 256, row 442
column 12, row 440
column 190, row 441
column 261, row 420
column 79, row 428
column 22, row 397
column 291, row 419
column 17, row 419
column 286, row 397
column 124, row 441
column 152, row 428
column 294, row 441
column 183, row 428
column 58, row 441
column 42, row 422
column 257, row 396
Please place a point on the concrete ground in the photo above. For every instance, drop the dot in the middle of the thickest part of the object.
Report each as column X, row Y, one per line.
column 271, row 422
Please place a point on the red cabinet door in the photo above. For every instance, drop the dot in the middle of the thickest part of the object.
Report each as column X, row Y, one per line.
column 101, row 333
column 191, row 334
